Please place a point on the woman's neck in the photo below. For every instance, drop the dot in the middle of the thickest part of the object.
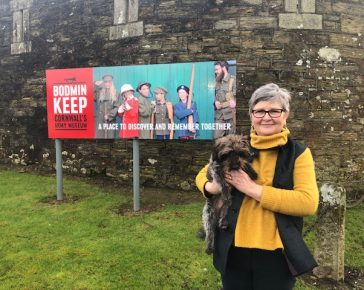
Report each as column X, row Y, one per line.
column 271, row 141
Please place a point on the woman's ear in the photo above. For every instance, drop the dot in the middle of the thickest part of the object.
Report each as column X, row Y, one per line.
column 287, row 115
column 251, row 117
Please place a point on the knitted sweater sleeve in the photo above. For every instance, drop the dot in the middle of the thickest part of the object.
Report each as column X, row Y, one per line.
column 303, row 199
column 201, row 180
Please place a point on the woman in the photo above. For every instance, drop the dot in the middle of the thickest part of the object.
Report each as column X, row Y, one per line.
column 187, row 129
column 107, row 102
column 162, row 118
column 263, row 247
column 129, row 113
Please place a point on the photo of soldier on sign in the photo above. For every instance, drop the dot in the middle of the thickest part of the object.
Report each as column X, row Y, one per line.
column 182, row 101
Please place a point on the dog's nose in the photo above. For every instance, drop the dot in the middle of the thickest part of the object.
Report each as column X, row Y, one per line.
column 234, row 166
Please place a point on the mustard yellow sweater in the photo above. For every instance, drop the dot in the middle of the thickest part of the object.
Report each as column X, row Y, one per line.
column 256, row 225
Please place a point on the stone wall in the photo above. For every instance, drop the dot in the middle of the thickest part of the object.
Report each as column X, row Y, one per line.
column 313, row 48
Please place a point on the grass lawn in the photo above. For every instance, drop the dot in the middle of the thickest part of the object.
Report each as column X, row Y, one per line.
column 84, row 244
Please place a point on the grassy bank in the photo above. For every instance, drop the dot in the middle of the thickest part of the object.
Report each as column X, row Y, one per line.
column 83, row 243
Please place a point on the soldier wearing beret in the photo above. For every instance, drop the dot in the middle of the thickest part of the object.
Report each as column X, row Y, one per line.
column 186, row 130
column 146, row 108
column 162, row 117
column 107, row 102
column 225, row 101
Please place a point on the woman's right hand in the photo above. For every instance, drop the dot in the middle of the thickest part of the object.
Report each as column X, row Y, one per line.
column 121, row 109
column 213, row 187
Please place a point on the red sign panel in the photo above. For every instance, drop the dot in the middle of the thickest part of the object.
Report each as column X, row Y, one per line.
column 70, row 103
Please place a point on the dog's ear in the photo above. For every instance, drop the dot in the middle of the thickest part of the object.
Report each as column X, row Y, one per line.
column 245, row 143
column 244, row 137
column 214, row 153
column 216, row 148
column 250, row 171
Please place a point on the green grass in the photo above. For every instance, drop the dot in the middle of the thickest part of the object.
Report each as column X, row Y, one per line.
column 85, row 245
column 354, row 237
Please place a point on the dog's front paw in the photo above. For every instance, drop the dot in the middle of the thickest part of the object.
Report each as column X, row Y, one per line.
column 201, row 234
column 223, row 225
column 209, row 251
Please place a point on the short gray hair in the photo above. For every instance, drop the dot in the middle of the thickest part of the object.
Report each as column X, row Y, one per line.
column 270, row 92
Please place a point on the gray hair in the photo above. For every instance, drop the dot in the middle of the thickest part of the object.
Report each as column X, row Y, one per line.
column 270, row 92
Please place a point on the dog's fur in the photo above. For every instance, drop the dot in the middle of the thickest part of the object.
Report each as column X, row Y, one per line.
column 229, row 153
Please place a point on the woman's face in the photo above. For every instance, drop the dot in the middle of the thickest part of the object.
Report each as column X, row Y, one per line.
column 128, row 95
column 107, row 83
column 268, row 125
column 159, row 97
column 182, row 94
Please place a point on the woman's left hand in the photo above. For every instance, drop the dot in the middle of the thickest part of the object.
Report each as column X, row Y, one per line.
column 242, row 182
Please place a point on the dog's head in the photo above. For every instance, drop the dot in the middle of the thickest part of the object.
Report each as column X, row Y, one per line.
column 231, row 152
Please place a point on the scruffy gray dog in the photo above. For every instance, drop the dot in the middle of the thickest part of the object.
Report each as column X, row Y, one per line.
column 230, row 152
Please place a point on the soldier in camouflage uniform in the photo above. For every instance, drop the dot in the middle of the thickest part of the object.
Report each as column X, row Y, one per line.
column 225, row 101
column 146, row 107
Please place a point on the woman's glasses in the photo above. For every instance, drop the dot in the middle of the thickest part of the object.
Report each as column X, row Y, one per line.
column 274, row 113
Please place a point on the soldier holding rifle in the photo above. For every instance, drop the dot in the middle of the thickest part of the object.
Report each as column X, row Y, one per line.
column 225, row 101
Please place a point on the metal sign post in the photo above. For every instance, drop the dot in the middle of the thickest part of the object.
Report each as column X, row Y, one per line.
column 59, row 169
column 136, row 174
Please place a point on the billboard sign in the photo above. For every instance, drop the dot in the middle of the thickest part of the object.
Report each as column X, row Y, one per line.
column 163, row 101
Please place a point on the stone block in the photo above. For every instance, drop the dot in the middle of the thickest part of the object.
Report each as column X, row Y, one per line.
column 330, row 232
column 193, row 2
column 328, row 115
column 324, row 6
column 133, row 10
column 300, row 21
column 208, row 41
column 331, row 25
column 120, row 12
column 346, row 7
column 26, row 24
column 352, row 24
column 167, row 3
column 18, row 33
column 126, row 30
column 281, row 37
column 21, row 25
column 194, row 47
column 153, row 29
column 253, row 22
column 347, row 40
column 252, row 43
column 21, row 47
column 20, row 4
column 254, row 2
column 269, row 52
column 352, row 53
column 290, row 6
column 300, row 6
column 125, row 11
column 151, row 45
column 235, row 41
column 228, row 11
column 226, row 24
column 308, row 6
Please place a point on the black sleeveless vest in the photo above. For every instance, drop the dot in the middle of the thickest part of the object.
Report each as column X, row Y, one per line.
column 299, row 258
